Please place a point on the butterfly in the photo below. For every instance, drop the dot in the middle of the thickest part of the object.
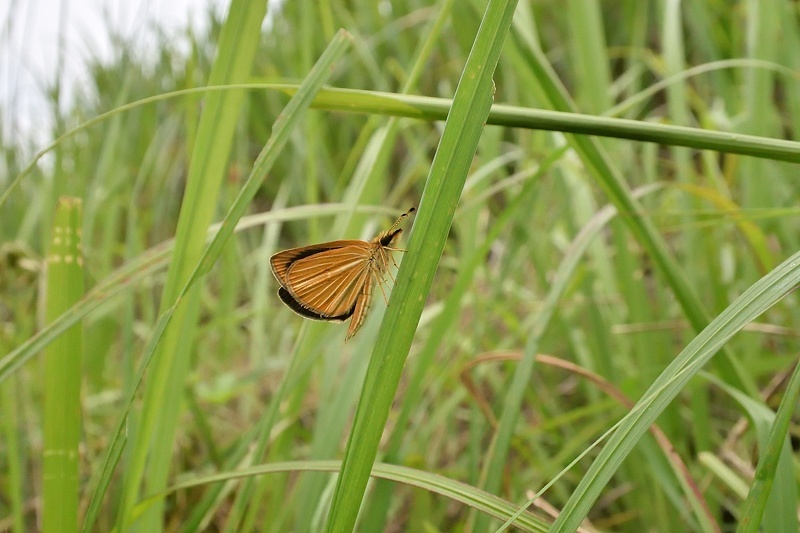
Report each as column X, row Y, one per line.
column 334, row 280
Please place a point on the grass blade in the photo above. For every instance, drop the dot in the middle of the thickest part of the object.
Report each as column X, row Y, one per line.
column 149, row 461
column 283, row 127
column 430, row 108
column 775, row 451
column 455, row 490
column 753, row 302
column 448, row 174
column 62, row 374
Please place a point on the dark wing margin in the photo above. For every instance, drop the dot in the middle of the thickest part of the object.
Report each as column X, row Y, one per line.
column 303, row 311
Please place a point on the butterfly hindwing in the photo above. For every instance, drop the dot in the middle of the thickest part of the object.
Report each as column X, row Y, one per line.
column 361, row 307
column 298, row 308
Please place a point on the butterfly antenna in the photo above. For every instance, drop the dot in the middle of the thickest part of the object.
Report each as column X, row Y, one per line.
column 404, row 215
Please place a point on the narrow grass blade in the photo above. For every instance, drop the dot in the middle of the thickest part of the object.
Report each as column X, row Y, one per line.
column 430, row 108
column 753, row 302
column 120, row 437
column 444, row 323
column 115, row 449
column 62, row 374
column 280, row 135
column 775, row 451
column 448, row 174
column 337, row 414
column 780, row 497
column 10, row 402
column 455, row 490
column 588, row 51
column 512, row 402
column 148, row 464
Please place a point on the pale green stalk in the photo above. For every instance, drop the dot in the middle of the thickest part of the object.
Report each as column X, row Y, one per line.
column 62, row 374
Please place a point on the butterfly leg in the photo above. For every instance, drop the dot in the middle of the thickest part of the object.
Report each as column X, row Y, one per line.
column 386, row 264
column 390, row 273
column 381, row 281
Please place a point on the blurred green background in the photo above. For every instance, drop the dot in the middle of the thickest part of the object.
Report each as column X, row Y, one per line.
column 254, row 384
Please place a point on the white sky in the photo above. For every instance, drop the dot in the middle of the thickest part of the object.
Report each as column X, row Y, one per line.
column 31, row 34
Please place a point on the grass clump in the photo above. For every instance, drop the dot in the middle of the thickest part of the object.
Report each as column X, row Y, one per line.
column 602, row 333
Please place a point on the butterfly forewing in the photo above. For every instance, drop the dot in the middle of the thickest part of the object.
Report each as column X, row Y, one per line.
column 281, row 261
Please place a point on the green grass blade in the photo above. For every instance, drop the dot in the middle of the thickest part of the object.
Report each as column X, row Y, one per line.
column 338, row 412
column 780, row 501
column 62, row 374
column 452, row 489
column 120, row 436
column 589, row 55
column 115, row 449
column 150, row 457
column 775, row 451
column 448, row 174
column 430, row 108
column 281, row 131
column 446, row 321
column 15, row 471
column 512, row 402
column 753, row 302
column 762, row 118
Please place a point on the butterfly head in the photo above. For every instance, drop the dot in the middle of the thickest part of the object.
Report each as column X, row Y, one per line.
column 388, row 237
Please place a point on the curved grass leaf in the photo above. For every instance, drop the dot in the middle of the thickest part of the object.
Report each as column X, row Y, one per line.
column 455, row 490
column 762, row 295
column 431, row 108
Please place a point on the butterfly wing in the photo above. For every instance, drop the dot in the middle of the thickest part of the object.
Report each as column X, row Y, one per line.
column 361, row 307
column 298, row 308
column 323, row 281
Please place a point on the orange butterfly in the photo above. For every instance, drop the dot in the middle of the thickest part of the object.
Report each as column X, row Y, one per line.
column 334, row 280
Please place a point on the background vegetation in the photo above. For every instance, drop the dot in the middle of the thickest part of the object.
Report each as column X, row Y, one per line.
column 558, row 301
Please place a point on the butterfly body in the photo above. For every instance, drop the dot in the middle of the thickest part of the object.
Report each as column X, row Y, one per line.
column 334, row 280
